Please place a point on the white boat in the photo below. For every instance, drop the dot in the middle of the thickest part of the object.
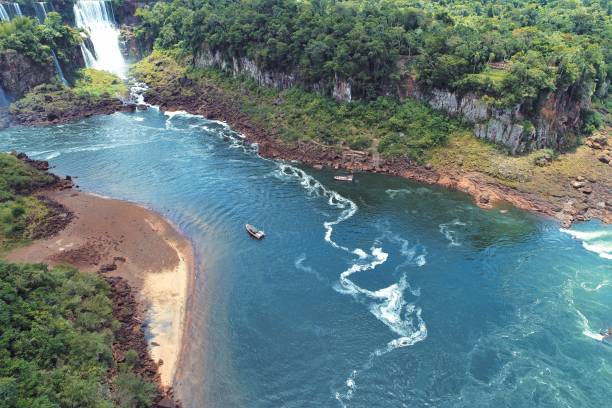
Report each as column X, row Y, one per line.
column 344, row 178
column 254, row 232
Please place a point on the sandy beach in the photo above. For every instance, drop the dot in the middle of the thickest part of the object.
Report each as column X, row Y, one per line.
column 126, row 240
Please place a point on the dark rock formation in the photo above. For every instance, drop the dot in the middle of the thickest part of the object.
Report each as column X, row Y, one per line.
column 555, row 124
column 19, row 74
column 131, row 336
column 338, row 88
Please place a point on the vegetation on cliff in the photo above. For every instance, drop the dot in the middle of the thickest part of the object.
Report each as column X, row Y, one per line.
column 511, row 51
column 402, row 129
column 21, row 215
column 298, row 119
column 34, row 40
column 93, row 92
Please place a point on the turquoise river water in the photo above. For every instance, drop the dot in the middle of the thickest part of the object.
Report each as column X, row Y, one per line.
column 377, row 293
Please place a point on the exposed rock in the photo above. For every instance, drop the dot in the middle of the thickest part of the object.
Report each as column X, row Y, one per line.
column 338, row 88
column 553, row 126
column 578, row 184
column 108, row 268
column 212, row 103
column 131, row 336
column 604, row 159
column 19, row 74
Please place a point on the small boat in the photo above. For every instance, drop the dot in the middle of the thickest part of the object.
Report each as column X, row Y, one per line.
column 344, row 178
column 254, row 232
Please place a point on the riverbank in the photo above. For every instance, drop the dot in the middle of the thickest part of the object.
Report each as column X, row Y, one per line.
column 573, row 186
column 124, row 240
column 94, row 93
column 49, row 228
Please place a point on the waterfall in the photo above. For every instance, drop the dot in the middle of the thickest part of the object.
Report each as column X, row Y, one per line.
column 40, row 10
column 9, row 11
column 96, row 17
column 13, row 10
column 58, row 68
column 3, row 14
column 3, row 100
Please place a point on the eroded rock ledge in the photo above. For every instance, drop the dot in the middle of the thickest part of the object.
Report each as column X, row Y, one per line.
column 211, row 103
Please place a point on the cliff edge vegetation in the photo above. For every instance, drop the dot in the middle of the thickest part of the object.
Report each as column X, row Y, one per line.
column 523, row 74
column 385, row 135
column 94, row 92
column 27, row 48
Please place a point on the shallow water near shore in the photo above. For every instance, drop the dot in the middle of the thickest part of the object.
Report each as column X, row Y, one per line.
column 377, row 293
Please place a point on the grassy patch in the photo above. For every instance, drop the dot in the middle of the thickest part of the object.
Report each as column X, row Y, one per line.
column 468, row 154
column 93, row 82
column 404, row 129
column 20, row 214
column 52, row 101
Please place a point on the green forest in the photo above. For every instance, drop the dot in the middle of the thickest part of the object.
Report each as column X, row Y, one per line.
column 511, row 51
column 34, row 40
column 56, row 325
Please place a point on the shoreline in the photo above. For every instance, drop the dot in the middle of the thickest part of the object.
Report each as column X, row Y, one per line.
column 579, row 199
column 116, row 239
column 485, row 190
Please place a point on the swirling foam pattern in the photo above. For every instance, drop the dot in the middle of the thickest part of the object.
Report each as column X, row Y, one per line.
column 379, row 293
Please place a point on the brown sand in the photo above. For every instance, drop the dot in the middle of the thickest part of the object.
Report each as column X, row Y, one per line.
column 144, row 248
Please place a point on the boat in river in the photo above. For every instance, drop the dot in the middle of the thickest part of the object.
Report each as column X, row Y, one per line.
column 254, row 232
column 348, row 177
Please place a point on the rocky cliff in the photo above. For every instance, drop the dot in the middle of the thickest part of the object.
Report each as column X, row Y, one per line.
column 19, row 74
column 338, row 88
column 555, row 124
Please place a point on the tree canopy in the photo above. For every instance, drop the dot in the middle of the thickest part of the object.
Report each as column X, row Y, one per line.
column 444, row 44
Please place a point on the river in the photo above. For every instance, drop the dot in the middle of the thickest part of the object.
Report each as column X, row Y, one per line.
column 377, row 293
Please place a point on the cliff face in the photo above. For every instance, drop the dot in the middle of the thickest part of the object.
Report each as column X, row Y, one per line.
column 554, row 125
column 339, row 89
column 19, row 74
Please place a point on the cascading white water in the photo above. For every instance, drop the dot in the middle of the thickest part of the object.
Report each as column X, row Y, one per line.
column 58, row 68
column 41, row 13
column 96, row 17
column 3, row 100
column 14, row 10
column 40, row 10
column 9, row 11
column 3, row 14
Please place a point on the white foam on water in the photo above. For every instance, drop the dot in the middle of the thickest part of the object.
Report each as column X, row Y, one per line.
column 315, row 188
column 451, row 234
column 584, row 322
column 52, row 155
column 392, row 193
column 350, row 389
column 388, row 304
column 171, row 114
column 299, row 264
column 599, row 242
column 586, row 328
column 597, row 287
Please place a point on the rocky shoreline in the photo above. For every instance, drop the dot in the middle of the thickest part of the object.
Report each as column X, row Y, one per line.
column 594, row 202
column 76, row 111
column 128, row 310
